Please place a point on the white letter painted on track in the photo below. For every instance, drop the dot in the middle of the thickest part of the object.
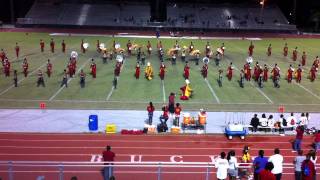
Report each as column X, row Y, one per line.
column 213, row 160
column 133, row 157
column 172, row 158
column 96, row 158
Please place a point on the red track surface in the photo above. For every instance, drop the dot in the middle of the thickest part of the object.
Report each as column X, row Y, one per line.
column 81, row 147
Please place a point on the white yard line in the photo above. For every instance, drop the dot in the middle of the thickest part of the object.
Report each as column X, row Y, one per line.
column 110, row 93
column 163, row 91
column 212, row 91
column 69, row 80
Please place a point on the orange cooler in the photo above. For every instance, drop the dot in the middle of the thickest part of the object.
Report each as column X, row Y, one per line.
column 186, row 118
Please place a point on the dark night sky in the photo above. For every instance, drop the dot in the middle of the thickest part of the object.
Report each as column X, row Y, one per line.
column 304, row 7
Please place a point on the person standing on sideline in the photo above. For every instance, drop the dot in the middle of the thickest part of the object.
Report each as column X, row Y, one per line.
column 233, row 165
column 259, row 164
column 266, row 174
column 108, row 156
column 308, row 168
column 255, row 123
column 177, row 112
column 150, row 110
column 298, row 140
column 297, row 165
column 222, row 166
column 277, row 161
column 317, row 141
column 171, row 103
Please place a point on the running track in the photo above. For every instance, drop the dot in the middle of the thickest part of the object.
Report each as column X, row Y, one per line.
column 88, row 147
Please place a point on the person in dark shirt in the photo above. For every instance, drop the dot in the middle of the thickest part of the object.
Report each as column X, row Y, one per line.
column 108, row 156
column 298, row 140
column 266, row 174
column 254, row 123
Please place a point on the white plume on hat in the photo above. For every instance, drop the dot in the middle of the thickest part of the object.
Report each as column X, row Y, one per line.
column 148, row 64
column 187, row 81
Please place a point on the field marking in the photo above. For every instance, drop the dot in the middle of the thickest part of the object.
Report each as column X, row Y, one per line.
column 258, row 89
column 212, row 91
column 163, row 91
column 110, row 93
column 40, row 67
column 69, row 80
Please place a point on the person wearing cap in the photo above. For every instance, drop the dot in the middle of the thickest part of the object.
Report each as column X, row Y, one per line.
column 186, row 91
column 149, row 71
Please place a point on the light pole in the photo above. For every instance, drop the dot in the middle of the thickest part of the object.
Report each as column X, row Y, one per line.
column 261, row 10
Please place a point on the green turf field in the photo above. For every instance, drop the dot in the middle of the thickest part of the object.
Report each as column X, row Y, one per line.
column 135, row 94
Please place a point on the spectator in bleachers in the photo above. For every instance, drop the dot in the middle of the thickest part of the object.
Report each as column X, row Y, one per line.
column 222, row 166
column 277, row 160
column 292, row 121
column 297, row 165
column 233, row 165
column 266, row 173
column 299, row 137
column 259, row 164
column 254, row 123
column 108, row 156
column 263, row 120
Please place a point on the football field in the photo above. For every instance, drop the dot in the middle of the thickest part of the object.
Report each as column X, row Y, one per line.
column 135, row 94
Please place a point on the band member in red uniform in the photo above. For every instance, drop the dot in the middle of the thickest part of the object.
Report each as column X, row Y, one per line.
column 204, row 70
column 129, row 46
column 230, row 71
column 159, row 46
column 25, row 67
column 251, row 47
column 285, row 50
column 207, row 49
column 256, row 72
column 276, row 75
column 186, row 71
column 316, row 62
column 191, row 47
column 265, row 73
column 49, row 68
column 247, row 71
column 70, row 69
column 117, row 69
column 52, row 45
column 303, row 58
column 98, row 46
column 162, row 71
column 269, row 50
column 137, row 73
column 82, row 47
column 17, row 48
column 41, row 45
column 299, row 74
column 63, row 45
column 82, row 79
column 295, row 54
column 290, row 74
column 149, row 48
column 7, row 66
column 313, row 72
column 2, row 55
column 93, row 67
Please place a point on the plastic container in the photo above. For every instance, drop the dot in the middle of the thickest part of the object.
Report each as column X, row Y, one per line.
column 93, row 123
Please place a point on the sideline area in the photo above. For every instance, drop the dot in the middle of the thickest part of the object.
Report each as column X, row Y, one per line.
column 76, row 121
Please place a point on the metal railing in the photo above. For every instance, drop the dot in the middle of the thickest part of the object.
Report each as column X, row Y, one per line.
column 59, row 167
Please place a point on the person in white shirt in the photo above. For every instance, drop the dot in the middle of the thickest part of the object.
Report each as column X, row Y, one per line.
column 222, row 166
column 303, row 120
column 263, row 121
column 233, row 165
column 292, row 121
column 277, row 161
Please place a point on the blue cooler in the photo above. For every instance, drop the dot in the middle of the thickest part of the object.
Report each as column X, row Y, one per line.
column 93, row 123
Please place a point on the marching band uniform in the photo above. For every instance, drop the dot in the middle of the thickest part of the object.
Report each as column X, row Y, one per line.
column 247, row 71
column 2, row 55
column 303, row 59
column 316, row 62
column 197, row 58
column 41, row 45
column 149, row 48
column 207, row 49
column 15, row 78
column 222, row 48
column 104, row 57
column 256, row 72
column 241, row 82
column 313, row 72
column 82, row 47
column 162, row 71
column 265, row 73
column 191, row 47
column 186, row 91
column 93, row 67
column 230, row 71
column 285, row 50
column 159, row 46
column 220, row 78
column 149, row 71
column 251, row 47
column 204, row 70
column 174, row 59
column 299, row 74
column 289, row 74
column 186, row 71
column 51, row 46
column 143, row 58
column 117, row 69
column 269, row 50
column 183, row 55
column 17, row 49
column 25, row 67
column 295, row 54
column 137, row 73
column 98, row 46
column 70, row 69
column 40, row 79
column 7, row 66
column 82, row 79
column 49, row 68
column 63, row 44
column 129, row 46
column 276, row 76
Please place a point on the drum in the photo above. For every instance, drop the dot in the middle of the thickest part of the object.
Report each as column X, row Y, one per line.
column 186, row 118
column 202, row 119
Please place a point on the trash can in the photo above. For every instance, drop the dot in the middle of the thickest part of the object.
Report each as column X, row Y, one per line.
column 93, row 123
